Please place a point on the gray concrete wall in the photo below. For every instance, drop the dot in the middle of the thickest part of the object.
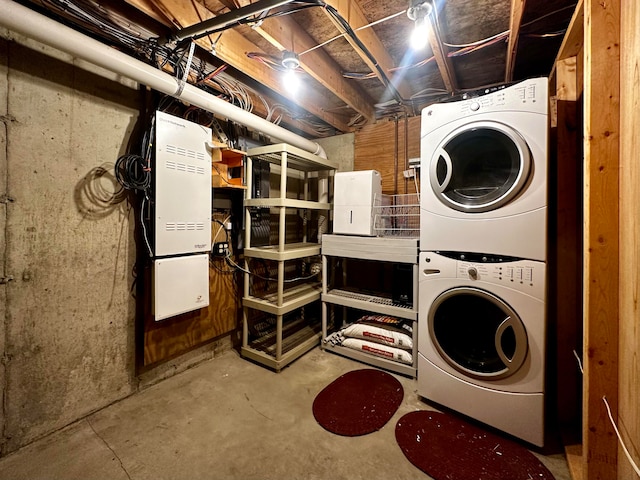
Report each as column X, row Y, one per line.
column 341, row 149
column 67, row 320
column 69, row 317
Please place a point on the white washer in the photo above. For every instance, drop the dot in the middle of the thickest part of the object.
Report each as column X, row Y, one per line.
column 481, row 346
column 484, row 159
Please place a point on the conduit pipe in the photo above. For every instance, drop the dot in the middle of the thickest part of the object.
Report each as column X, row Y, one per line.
column 227, row 19
column 20, row 19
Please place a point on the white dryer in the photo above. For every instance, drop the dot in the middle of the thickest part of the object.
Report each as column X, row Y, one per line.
column 481, row 347
column 485, row 162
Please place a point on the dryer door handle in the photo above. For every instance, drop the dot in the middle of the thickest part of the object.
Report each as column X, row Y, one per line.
column 431, row 271
column 444, row 156
column 520, row 351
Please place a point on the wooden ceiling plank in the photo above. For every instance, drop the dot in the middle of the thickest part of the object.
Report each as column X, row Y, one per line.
column 232, row 48
column 442, row 58
column 517, row 9
column 286, row 34
column 353, row 14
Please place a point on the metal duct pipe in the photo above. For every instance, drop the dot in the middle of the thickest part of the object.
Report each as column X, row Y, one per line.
column 22, row 20
column 229, row 18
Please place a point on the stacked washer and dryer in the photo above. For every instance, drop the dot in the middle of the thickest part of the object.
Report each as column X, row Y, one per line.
column 482, row 287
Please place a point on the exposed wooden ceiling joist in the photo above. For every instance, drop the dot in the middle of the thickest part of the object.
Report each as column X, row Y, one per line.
column 442, row 59
column 353, row 14
column 376, row 41
column 232, row 48
column 286, row 34
column 517, row 9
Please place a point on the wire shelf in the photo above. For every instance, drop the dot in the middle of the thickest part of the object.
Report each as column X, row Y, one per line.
column 397, row 215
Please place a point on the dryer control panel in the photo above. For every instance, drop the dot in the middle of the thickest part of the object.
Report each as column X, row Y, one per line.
column 527, row 276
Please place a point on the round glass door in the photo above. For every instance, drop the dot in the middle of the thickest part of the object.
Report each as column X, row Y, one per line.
column 480, row 167
column 477, row 333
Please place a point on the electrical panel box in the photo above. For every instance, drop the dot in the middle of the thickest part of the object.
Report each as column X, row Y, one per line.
column 182, row 188
column 355, row 195
column 181, row 284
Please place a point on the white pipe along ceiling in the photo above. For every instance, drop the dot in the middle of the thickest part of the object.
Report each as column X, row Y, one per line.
column 20, row 19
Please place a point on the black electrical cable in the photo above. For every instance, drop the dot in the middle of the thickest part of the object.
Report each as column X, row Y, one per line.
column 352, row 35
column 132, row 172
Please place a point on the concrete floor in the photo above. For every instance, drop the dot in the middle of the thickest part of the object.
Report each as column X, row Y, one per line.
column 227, row 418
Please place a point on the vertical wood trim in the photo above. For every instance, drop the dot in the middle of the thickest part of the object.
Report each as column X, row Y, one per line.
column 601, row 209
column 629, row 347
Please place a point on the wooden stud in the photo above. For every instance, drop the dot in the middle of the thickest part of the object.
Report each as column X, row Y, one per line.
column 629, row 349
column 601, row 243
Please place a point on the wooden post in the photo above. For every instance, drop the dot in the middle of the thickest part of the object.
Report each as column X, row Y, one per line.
column 629, row 352
column 601, row 222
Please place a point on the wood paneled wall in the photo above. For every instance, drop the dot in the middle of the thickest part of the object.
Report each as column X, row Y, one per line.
column 387, row 147
column 171, row 337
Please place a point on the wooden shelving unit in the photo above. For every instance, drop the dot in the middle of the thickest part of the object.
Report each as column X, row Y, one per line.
column 292, row 336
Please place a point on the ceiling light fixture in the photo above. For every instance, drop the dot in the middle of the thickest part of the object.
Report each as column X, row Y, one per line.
column 419, row 11
column 290, row 62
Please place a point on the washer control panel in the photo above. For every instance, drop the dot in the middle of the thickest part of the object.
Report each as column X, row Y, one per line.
column 521, row 273
column 527, row 276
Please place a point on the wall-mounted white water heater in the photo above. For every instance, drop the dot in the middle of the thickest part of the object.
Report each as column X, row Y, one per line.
column 355, row 194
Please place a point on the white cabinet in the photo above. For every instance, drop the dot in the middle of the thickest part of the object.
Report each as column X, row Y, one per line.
column 340, row 300
column 281, row 302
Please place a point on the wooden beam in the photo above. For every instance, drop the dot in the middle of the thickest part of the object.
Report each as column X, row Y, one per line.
column 286, row 34
column 601, row 241
column 353, row 14
column 442, row 59
column 573, row 41
column 517, row 8
column 232, row 49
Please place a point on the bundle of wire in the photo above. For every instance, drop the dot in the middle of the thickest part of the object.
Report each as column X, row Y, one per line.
column 133, row 172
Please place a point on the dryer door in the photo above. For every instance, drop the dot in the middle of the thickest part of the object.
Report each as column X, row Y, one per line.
column 477, row 333
column 479, row 167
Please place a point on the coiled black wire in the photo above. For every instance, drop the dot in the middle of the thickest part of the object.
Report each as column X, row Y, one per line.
column 133, row 172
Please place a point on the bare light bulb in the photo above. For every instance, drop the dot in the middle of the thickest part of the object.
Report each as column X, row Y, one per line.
column 420, row 34
column 291, row 81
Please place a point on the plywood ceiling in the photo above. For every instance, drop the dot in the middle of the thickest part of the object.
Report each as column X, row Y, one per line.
column 352, row 80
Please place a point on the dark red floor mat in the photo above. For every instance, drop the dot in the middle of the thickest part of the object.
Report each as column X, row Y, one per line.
column 358, row 402
column 446, row 447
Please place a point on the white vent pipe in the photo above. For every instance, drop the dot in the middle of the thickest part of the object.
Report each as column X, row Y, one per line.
column 27, row 22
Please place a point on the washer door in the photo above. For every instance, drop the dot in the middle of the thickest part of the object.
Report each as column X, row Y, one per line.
column 477, row 333
column 480, row 167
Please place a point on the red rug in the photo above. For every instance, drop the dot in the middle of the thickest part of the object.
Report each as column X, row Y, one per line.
column 446, row 447
column 358, row 402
